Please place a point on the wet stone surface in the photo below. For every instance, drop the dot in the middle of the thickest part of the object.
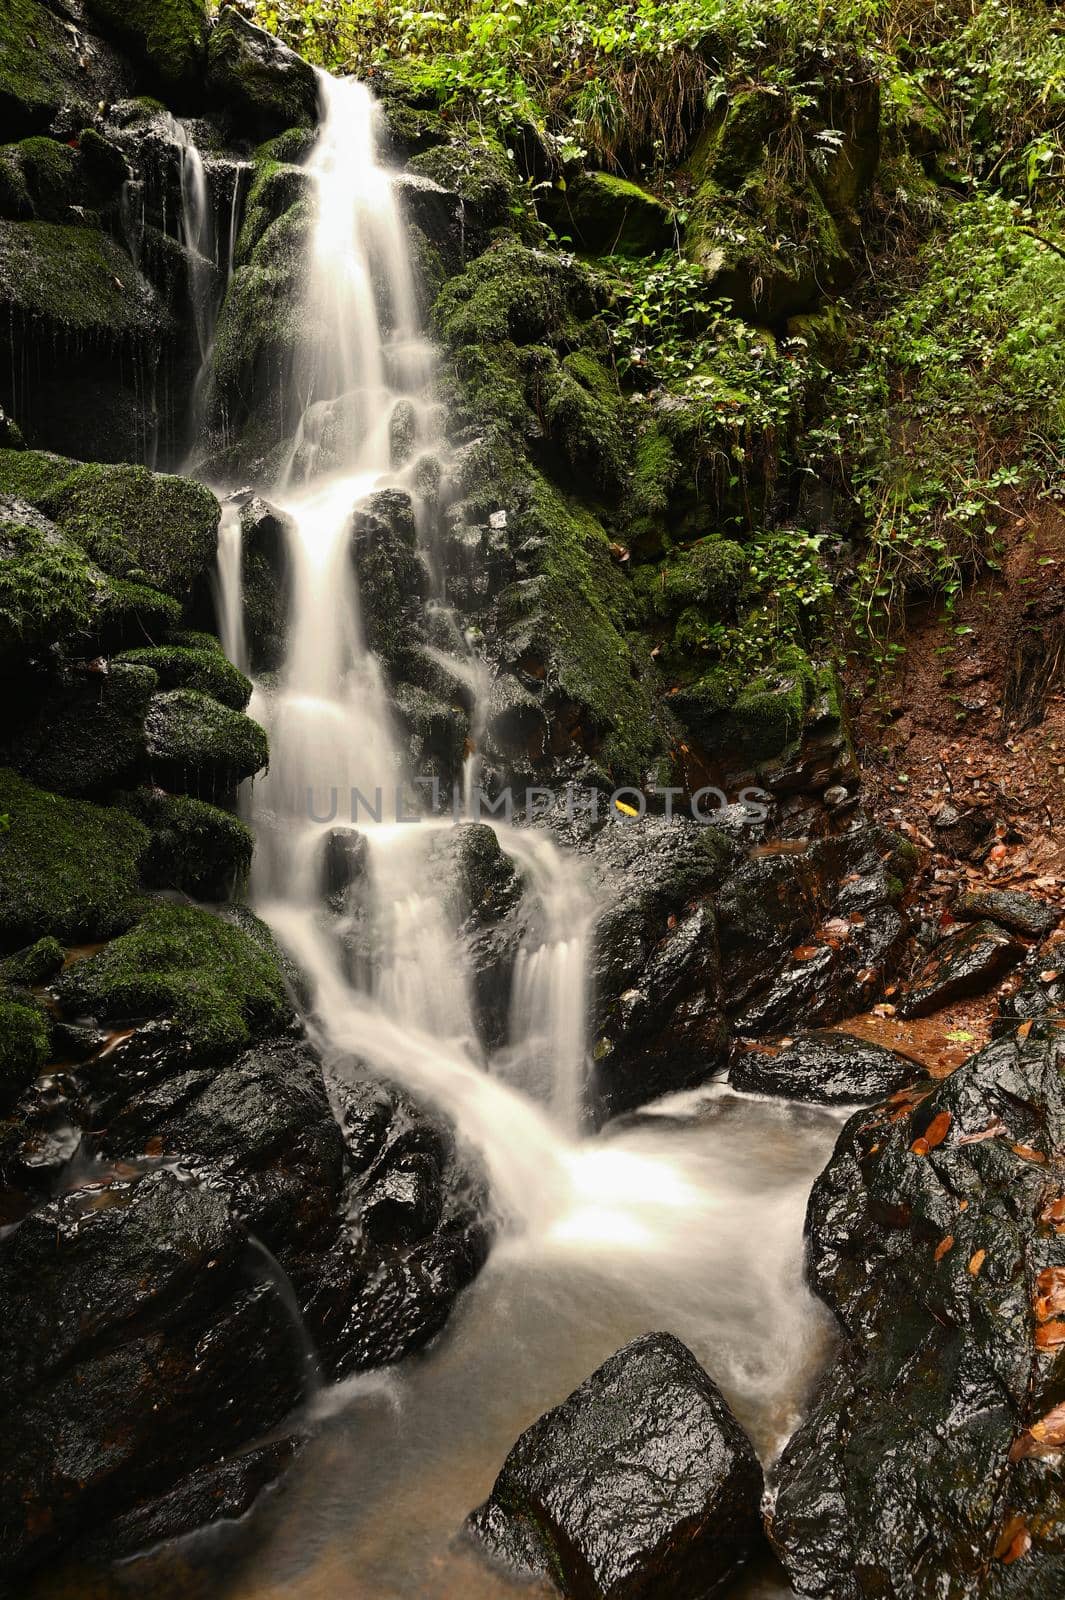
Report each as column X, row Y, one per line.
column 640, row 1483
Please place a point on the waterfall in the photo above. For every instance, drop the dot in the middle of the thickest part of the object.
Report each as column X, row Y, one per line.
column 365, row 363
column 689, row 1217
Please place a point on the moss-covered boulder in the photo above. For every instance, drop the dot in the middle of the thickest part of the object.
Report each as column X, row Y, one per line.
column 582, row 407
column 50, row 180
column 44, row 65
column 263, row 322
column 607, row 215
column 198, row 665
column 75, row 279
column 67, row 868
column 750, row 721
column 222, row 984
column 23, row 1045
column 514, row 293
column 197, row 745
column 256, row 81
column 138, row 526
column 83, row 733
column 48, row 585
column 169, row 37
column 34, row 965
column 479, row 172
column 194, row 846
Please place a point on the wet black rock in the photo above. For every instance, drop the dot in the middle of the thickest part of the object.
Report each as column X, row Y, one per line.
column 345, row 853
column 825, row 1067
column 641, row 1483
column 811, row 928
column 658, row 1022
column 392, row 577
column 964, row 964
column 1019, row 913
column 930, row 1463
column 265, row 534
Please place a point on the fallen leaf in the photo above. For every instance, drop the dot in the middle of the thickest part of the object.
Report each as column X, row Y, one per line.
column 1051, row 1428
column 1025, row 1029
column 919, row 1147
column 1026, row 1153
column 1049, row 1294
column 992, row 1131
column 1054, row 1211
column 1015, row 1542
column 937, row 1129
column 943, row 1246
column 976, row 1262
column 1051, row 1336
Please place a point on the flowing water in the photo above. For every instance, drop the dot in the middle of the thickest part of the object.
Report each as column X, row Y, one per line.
column 687, row 1217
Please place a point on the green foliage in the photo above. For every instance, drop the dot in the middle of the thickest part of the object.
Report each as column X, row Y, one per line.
column 221, row 983
column 47, row 586
column 34, row 965
column 955, row 404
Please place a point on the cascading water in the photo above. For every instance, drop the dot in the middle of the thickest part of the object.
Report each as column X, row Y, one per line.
column 687, row 1218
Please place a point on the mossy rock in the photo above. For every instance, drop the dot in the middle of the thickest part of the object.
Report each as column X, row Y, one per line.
column 67, row 868
column 168, row 36
column 276, row 187
column 512, row 292
column 87, row 732
column 583, row 409
column 33, row 966
column 134, row 613
column 606, row 215
column 479, row 172
column 195, row 744
column 710, row 576
column 194, row 847
column 76, row 280
column 257, row 82
column 44, row 66
column 24, row 1045
column 221, row 984
column 753, row 722
column 138, row 526
column 263, row 324
column 44, row 179
column 201, row 666
column 48, row 585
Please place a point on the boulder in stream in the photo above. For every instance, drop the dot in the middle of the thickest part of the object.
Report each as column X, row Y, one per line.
column 826, row 1067
column 642, row 1483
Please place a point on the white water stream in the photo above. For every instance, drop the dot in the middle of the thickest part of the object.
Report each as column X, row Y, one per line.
column 688, row 1218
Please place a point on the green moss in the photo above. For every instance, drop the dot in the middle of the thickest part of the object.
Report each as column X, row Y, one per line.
column 170, row 36
column 87, row 734
column 24, row 1046
column 583, row 410
column 131, row 612
column 38, row 178
column 48, row 586
column 39, row 66
column 202, row 667
column 222, row 984
column 34, row 965
column 710, row 575
column 77, row 279
column 194, row 846
column 193, row 741
column 137, row 525
column 757, row 720
column 607, row 215
column 513, row 293
column 478, row 170
column 277, row 186
column 67, row 868
column 584, row 605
